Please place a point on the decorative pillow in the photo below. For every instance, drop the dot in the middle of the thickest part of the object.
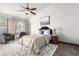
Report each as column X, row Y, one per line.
column 47, row 32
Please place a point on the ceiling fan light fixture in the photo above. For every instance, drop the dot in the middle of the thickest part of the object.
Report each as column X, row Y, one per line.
column 27, row 11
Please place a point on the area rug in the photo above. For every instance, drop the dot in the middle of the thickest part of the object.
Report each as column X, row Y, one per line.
column 48, row 50
column 16, row 49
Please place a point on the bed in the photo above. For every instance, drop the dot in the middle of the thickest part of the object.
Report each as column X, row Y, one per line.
column 34, row 42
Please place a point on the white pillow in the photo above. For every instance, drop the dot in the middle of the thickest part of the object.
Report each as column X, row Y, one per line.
column 47, row 32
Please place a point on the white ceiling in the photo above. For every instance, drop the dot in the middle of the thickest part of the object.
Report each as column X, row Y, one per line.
column 12, row 8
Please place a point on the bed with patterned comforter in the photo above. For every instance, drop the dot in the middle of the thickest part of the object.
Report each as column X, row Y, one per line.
column 34, row 41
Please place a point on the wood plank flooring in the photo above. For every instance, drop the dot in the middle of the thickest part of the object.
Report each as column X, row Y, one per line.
column 67, row 50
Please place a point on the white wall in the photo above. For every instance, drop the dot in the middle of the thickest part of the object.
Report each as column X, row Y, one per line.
column 64, row 17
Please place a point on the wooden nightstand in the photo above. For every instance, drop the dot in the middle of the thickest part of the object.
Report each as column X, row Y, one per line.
column 54, row 40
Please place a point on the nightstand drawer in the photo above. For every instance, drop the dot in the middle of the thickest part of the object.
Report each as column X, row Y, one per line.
column 54, row 39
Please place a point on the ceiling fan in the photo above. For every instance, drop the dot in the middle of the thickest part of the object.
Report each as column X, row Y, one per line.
column 28, row 10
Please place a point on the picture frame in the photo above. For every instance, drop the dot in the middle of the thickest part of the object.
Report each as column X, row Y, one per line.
column 45, row 20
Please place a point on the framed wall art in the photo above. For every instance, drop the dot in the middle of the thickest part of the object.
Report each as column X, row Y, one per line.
column 45, row 20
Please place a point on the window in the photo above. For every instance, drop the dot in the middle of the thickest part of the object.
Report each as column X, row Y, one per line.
column 3, row 25
column 21, row 26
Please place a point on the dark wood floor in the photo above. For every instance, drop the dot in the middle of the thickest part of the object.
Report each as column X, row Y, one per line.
column 67, row 50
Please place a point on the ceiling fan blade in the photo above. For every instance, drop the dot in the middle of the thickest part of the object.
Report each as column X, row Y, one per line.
column 23, row 7
column 33, row 9
column 32, row 12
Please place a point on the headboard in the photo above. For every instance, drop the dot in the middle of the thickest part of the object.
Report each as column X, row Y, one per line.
column 45, row 28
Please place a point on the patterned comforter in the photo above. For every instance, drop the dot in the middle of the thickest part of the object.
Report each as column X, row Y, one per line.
column 34, row 41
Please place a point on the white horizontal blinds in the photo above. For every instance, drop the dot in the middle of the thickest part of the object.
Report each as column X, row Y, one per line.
column 3, row 21
column 3, row 24
column 20, row 26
